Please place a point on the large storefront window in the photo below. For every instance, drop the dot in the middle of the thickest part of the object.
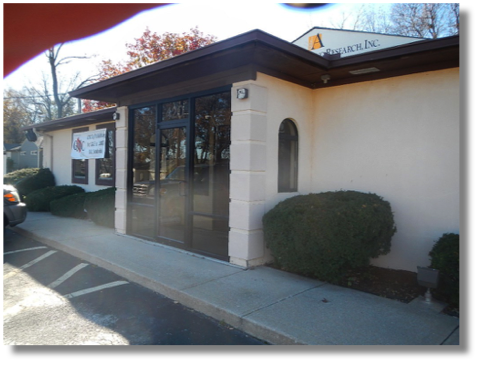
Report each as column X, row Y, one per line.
column 211, row 172
column 143, row 172
column 176, row 110
column 105, row 167
column 79, row 167
column 180, row 169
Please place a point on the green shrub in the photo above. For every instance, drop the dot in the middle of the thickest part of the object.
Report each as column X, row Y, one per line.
column 40, row 180
column 100, row 207
column 322, row 235
column 69, row 206
column 15, row 176
column 445, row 256
column 10, row 164
column 39, row 200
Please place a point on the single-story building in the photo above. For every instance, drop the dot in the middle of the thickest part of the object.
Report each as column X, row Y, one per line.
column 202, row 145
column 90, row 173
column 28, row 154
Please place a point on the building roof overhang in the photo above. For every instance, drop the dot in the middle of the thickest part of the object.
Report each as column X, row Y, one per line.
column 240, row 58
column 79, row 120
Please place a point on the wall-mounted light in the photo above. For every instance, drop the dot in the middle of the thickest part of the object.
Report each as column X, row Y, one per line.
column 325, row 78
column 116, row 116
column 30, row 134
column 242, row 93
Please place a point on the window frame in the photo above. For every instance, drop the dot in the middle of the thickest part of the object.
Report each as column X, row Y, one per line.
column 98, row 180
column 292, row 171
column 79, row 180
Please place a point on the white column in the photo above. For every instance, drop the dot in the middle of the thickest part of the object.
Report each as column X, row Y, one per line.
column 247, row 180
column 121, row 153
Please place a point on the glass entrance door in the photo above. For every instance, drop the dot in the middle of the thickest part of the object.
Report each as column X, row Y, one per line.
column 180, row 170
column 172, row 185
column 211, row 175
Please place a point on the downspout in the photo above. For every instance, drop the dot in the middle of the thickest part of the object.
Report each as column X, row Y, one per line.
column 50, row 140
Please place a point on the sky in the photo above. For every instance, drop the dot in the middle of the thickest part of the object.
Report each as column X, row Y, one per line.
column 222, row 19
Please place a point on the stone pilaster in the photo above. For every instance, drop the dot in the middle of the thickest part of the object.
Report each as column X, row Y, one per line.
column 248, row 166
column 121, row 153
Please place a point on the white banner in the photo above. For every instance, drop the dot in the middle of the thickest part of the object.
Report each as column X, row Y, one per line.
column 91, row 144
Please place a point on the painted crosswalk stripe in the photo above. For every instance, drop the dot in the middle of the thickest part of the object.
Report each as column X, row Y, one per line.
column 67, row 275
column 25, row 249
column 27, row 265
column 94, row 289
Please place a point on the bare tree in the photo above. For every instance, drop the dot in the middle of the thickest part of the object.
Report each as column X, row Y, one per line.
column 454, row 17
column 62, row 100
column 15, row 116
column 48, row 100
column 47, row 104
column 424, row 20
column 362, row 17
column 430, row 20
column 374, row 19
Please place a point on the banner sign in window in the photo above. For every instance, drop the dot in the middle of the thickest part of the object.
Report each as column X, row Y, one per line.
column 91, row 144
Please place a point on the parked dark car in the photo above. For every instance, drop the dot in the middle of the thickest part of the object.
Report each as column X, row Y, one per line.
column 14, row 211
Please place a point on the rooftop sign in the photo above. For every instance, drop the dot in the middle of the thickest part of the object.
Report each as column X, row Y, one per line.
column 324, row 41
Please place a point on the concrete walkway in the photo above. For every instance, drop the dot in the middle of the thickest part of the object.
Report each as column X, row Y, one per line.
column 272, row 305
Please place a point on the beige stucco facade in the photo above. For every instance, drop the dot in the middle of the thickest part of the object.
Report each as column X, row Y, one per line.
column 369, row 115
column 397, row 137
column 57, row 147
column 121, row 155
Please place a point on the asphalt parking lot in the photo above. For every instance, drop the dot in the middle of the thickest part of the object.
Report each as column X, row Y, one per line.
column 52, row 298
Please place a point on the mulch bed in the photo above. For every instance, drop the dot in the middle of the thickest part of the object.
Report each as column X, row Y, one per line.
column 399, row 285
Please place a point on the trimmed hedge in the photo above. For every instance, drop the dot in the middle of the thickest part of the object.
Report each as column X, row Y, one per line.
column 323, row 235
column 42, row 179
column 39, row 200
column 100, row 207
column 69, row 206
column 445, row 256
column 15, row 176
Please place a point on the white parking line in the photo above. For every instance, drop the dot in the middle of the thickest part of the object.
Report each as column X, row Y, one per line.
column 38, row 259
column 67, row 275
column 27, row 265
column 94, row 289
column 25, row 249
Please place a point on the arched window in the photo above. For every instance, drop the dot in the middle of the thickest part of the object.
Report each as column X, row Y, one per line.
column 287, row 157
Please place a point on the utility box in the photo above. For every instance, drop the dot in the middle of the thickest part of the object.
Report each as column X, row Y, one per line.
column 427, row 277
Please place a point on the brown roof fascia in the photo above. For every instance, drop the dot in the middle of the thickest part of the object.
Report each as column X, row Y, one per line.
column 210, row 50
column 421, row 56
column 171, row 62
column 258, row 41
column 98, row 116
column 398, row 51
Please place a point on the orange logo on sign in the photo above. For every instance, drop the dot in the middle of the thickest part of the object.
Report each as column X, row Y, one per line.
column 315, row 42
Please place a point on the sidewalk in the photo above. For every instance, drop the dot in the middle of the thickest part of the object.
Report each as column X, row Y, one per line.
column 272, row 305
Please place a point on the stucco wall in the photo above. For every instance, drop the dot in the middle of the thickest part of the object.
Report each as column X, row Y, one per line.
column 398, row 138
column 294, row 102
column 60, row 162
